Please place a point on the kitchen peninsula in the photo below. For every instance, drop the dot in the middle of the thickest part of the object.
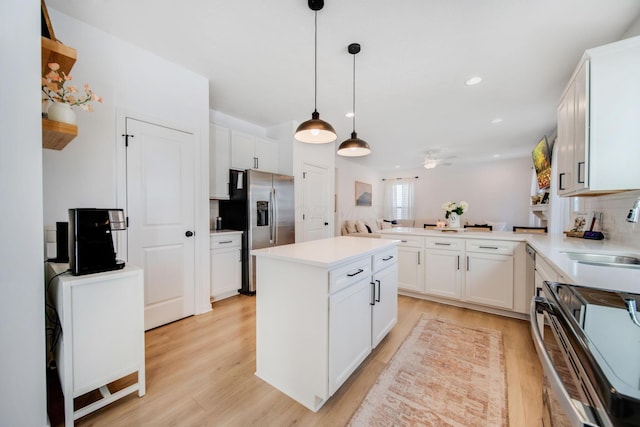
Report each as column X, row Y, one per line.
column 321, row 307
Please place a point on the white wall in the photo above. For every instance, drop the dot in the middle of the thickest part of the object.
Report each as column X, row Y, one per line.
column 348, row 171
column 496, row 191
column 89, row 172
column 22, row 371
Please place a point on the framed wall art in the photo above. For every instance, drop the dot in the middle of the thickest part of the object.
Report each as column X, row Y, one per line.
column 363, row 194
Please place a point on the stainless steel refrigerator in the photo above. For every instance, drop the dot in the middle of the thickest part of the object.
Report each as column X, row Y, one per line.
column 261, row 205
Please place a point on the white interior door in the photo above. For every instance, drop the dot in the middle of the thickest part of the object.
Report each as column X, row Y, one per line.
column 161, row 213
column 314, row 195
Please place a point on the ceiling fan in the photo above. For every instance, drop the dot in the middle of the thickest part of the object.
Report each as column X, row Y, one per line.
column 432, row 159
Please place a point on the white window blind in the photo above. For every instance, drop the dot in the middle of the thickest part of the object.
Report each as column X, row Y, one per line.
column 399, row 198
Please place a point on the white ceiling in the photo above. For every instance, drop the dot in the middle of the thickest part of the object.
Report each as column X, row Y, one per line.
column 416, row 55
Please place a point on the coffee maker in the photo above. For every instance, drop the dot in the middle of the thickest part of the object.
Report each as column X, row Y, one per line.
column 91, row 248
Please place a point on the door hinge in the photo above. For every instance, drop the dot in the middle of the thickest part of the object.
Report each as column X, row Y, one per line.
column 126, row 139
column 304, row 175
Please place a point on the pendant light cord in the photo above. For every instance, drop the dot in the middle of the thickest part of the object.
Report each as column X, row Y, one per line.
column 315, row 64
column 354, row 92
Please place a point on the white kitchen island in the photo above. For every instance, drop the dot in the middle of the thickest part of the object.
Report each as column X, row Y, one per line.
column 321, row 307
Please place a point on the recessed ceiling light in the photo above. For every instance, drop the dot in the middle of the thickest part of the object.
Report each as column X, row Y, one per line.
column 495, row 156
column 473, row 81
column 496, row 120
column 350, row 114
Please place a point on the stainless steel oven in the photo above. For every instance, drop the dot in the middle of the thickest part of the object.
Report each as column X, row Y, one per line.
column 588, row 342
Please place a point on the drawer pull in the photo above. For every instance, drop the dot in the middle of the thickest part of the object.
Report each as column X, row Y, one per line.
column 488, row 247
column 443, row 244
column 356, row 273
column 404, row 241
column 388, row 258
column 225, row 241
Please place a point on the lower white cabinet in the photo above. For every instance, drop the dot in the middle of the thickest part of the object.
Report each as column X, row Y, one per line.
column 349, row 331
column 317, row 321
column 474, row 270
column 102, row 321
column 411, row 261
column 444, row 263
column 226, row 264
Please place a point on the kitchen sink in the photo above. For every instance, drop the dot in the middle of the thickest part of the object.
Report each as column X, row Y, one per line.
column 605, row 259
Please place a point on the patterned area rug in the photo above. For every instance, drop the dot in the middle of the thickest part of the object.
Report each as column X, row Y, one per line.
column 444, row 374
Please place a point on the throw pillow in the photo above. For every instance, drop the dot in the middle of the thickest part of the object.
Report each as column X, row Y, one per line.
column 360, row 227
column 350, row 226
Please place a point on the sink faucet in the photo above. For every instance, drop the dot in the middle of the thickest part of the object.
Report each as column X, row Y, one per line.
column 634, row 212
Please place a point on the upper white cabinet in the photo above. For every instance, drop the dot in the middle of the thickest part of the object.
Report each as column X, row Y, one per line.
column 219, row 155
column 597, row 124
column 251, row 152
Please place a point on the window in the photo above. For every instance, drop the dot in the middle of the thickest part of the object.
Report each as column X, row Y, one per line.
column 399, row 198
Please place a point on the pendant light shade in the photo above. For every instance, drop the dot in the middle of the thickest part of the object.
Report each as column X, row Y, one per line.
column 354, row 146
column 315, row 131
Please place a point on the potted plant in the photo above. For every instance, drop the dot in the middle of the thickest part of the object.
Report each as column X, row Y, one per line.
column 64, row 97
column 453, row 210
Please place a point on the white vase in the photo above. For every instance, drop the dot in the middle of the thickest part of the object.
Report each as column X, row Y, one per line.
column 61, row 112
column 454, row 220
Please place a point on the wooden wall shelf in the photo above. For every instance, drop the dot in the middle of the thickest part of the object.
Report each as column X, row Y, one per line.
column 56, row 135
column 53, row 51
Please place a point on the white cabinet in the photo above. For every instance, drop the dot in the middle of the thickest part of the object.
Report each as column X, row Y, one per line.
column 219, row 158
column 595, row 127
column 444, row 258
column 226, row 264
column 489, row 273
column 384, row 309
column 474, row 270
column 411, row 261
column 322, row 306
column 102, row 321
column 349, row 322
column 251, row 152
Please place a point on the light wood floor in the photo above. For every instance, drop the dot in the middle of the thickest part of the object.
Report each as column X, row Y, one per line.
column 200, row 372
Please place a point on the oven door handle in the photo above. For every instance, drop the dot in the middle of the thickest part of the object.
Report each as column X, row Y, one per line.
column 539, row 305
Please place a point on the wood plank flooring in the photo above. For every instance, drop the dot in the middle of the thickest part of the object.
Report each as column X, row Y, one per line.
column 200, row 372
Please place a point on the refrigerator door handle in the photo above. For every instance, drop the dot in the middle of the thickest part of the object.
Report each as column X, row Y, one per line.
column 273, row 227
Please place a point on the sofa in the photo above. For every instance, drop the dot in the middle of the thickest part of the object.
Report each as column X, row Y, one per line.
column 364, row 227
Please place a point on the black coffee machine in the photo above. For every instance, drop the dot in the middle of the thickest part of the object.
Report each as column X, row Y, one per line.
column 91, row 247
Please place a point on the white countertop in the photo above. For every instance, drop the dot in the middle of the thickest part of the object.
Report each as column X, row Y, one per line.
column 326, row 252
column 552, row 248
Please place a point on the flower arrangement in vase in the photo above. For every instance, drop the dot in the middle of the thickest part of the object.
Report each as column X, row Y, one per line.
column 64, row 97
column 453, row 210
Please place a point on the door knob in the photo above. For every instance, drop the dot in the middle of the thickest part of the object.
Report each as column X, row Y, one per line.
column 189, row 233
column 326, row 223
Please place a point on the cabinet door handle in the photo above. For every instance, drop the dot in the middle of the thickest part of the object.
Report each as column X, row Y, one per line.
column 356, row 273
column 560, row 181
column 488, row 247
column 580, row 172
column 458, row 262
column 388, row 258
column 467, row 263
column 443, row 244
column 418, row 257
column 373, row 294
column 378, row 299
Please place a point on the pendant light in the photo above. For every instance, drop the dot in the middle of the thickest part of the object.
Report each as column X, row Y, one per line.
column 315, row 131
column 354, row 146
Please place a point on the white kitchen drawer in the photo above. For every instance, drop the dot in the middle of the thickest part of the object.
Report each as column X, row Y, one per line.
column 412, row 241
column 349, row 274
column 384, row 259
column 444, row 243
column 226, row 240
column 502, row 247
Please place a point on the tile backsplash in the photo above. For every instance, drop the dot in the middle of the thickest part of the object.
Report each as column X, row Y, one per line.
column 615, row 208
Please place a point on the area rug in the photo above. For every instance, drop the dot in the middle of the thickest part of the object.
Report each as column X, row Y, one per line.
column 444, row 374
